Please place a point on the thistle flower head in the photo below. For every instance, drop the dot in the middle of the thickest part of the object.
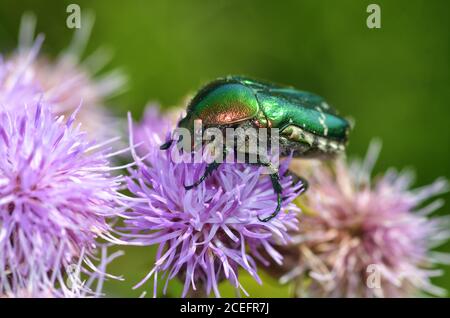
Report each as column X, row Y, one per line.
column 56, row 194
column 65, row 81
column 17, row 86
column 205, row 235
column 78, row 280
column 364, row 238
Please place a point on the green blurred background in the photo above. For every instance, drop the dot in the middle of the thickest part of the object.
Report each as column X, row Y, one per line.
column 393, row 81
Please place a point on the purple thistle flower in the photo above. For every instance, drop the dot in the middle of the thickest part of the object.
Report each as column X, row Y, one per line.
column 206, row 234
column 364, row 238
column 63, row 82
column 78, row 280
column 56, row 195
column 154, row 128
column 17, row 84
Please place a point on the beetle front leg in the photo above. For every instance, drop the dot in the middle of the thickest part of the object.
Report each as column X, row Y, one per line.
column 210, row 168
column 166, row 145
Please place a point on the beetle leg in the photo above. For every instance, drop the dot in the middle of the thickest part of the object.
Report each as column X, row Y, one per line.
column 296, row 179
column 275, row 178
column 169, row 143
column 278, row 190
column 209, row 170
column 166, row 145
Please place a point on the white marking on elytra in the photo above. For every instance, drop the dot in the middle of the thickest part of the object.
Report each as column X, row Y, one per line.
column 325, row 105
column 322, row 119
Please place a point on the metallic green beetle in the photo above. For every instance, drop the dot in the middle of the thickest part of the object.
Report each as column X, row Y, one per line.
column 308, row 126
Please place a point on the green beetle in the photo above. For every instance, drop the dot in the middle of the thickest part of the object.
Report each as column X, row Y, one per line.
column 308, row 126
